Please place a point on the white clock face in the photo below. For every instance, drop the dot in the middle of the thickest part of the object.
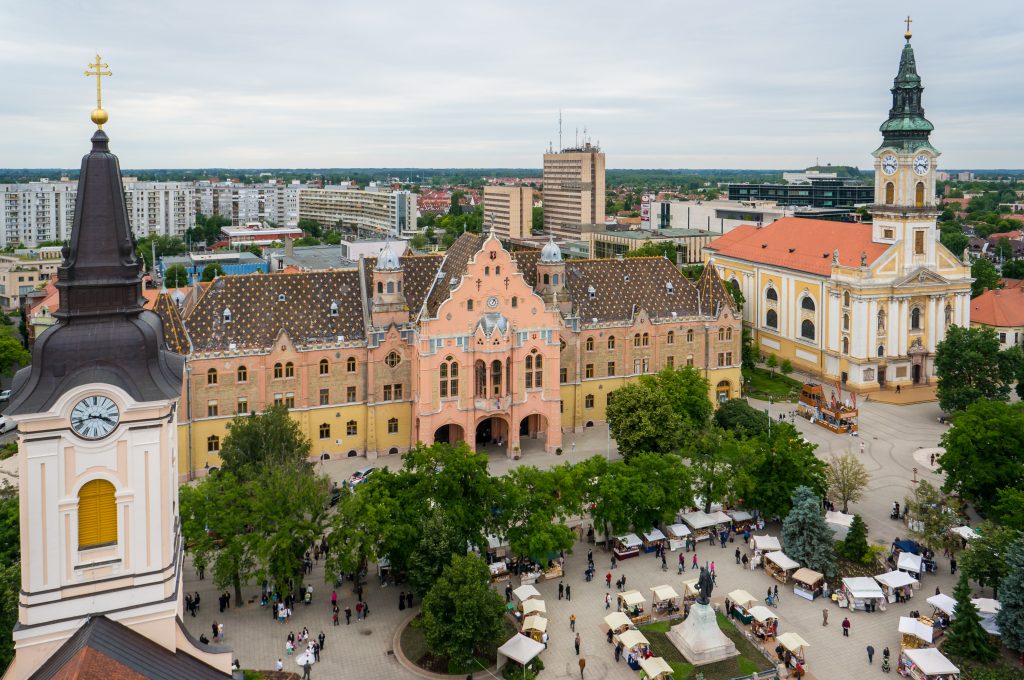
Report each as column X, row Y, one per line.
column 921, row 164
column 889, row 164
column 492, row 302
column 94, row 417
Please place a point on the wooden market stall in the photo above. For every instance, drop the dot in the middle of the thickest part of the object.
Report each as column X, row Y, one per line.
column 916, row 633
column 943, row 609
column 664, row 601
column 779, row 566
column 861, row 592
column 652, row 539
column 797, row 648
column 676, row 535
column 655, row 668
column 741, row 601
column 741, row 520
column 617, row 623
column 808, row 583
column 627, row 546
column 703, row 523
column 534, row 627
column 632, row 602
column 690, row 591
column 765, row 622
column 898, row 586
column 524, row 593
column 632, row 640
column 927, row 664
column 530, row 607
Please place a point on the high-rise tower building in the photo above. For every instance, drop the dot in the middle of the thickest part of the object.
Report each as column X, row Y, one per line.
column 574, row 191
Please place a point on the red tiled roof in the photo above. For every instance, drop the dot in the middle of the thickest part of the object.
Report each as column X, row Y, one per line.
column 802, row 244
column 1015, row 235
column 1004, row 307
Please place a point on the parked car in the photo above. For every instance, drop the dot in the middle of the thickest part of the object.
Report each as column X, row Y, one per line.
column 7, row 425
column 5, row 395
column 360, row 476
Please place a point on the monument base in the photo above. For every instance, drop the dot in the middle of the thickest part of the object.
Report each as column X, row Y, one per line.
column 700, row 639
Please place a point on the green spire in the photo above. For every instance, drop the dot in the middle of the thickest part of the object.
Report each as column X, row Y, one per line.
column 906, row 127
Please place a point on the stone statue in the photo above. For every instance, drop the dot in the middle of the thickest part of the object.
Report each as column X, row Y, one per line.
column 863, row 259
column 705, row 584
column 835, row 256
column 967, row 257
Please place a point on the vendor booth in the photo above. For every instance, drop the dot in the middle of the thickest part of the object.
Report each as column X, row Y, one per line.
column 765, row 543
column 534, row 626
column 653, row 539
column 765, row 622
column 741, row 601
column 664, row 601
column 530, row 607
column 943, row 609
column 704, row 523
column 839, row 523
column 655, row 668
column 527, row 592
column 779, row 566
column 627, row 546
column 519, row 649
column 632, row 602
column 910, row 563
column 617, row 623
column 676, row 535
column 808, row 583
column 898, row 586
column 741, row 520
column 797, row 648
column 861, row 592
column 915, row 633
column 632, row 640
column 690, row 591
column 927, row 664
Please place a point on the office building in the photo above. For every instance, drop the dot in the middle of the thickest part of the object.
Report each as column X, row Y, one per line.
column 509, row 210
column 25, row 270
column 373, row 211
column 574, row 190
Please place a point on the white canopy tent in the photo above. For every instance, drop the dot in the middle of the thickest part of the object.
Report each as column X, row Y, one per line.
column 653, row 535
column 630, row 540
column 535, row 623
column 677, row 531
column 740, row 515
column 632, row 598
column 661, row 593
column 617, row 621
column 965, row 533
column 793, row 643
column 534, row 607
column 527, row 592
column 909, row 626
column 943, row 603
column 742, row 598
column 862, row 587
column 765, row 543
column 762, row 613
column 986, row 605
column 519, row 648
column 909, row 562
column 931, row 661
column 782, row 560
column 703, row 520
column 632, row 638
column 839, row 523
column 896, row 579
column 656, row 668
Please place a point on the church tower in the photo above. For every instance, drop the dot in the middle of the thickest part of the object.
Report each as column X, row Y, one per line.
column 389, row 303
column 905, row 209
column 101, row 541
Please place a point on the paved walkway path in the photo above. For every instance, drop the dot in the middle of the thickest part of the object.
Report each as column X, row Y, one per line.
column 892, row 436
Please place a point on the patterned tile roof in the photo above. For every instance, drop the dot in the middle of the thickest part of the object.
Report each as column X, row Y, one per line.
column 420, row 271
column 526, row 262
column 262, row 305
column 713, row 293
column 455, row 260
column 175, row 336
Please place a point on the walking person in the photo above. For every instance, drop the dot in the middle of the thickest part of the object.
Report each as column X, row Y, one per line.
column 544, row 639
column 776, row 594
column 824, row 617
column 737, row 555
column 572, row 622
column 561, row 590
column 321, row 638
column 694, row 564
column 871, row 654
column 952, row 565
column 607, row 580
column 577, row 644
column 348, row 615
column 607, row 601
column 846, row 627
column 568, row 592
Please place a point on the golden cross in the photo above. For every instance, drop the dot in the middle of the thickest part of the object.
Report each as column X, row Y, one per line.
column 99, row 116
column 908, row 21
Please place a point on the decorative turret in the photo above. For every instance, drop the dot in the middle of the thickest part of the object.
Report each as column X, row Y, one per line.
column 388, row 302
column 906, row 127
column 550, row 272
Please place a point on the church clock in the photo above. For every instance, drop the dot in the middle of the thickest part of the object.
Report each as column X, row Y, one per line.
column 921, row 164
column 889, row 164
column 94, row 417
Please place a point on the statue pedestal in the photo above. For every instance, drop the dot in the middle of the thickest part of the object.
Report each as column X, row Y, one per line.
column 700, row 639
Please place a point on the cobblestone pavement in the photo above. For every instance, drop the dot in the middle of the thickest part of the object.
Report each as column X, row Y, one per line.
column 892, row 435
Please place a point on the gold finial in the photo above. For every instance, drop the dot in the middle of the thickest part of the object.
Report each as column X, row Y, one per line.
column 99, row 116
column 908, row 21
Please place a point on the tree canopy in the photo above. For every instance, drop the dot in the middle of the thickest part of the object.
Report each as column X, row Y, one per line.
column 12, row 354
column 742, row 419
column 970, row 366
column 1011, row 614
column 985, row 558
column 775, row 467
column 805, row 535
column 847, row 478
column 641, row 418
column 985, row 277
column 263, row 440
column 651, row 249
column 932, row 515
column 176, row 276
column 855, row 545
column 965, row 638
column 211, row 271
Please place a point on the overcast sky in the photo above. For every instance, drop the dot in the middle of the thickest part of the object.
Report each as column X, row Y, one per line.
column 661, row 84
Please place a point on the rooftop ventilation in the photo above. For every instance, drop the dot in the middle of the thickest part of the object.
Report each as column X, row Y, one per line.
column 669, row 288
column 282, row 298
column 625, row 278
column 591, row 293
column 792, row 250
column 764, row 245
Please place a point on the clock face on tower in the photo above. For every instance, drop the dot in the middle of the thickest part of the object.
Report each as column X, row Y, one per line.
column 921, row 164
column 94, row 417
column 889, row 164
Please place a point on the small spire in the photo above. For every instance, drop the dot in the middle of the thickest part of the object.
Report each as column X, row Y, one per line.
column 99, row 116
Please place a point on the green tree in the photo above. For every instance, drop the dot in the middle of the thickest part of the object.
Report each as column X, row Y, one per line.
column 751, row 355
column 176, row 276
column 306, row 241
column 462, row 614
column 687, row 393
column 984, row 452
column 805, row 535
column 971, row 366
column 965, row 638
column 12, row 354
column 855, row 545
column 531, row 513
column 333, row 238
column 311, row 227
column 985, row 277
column 775, row 467
column 665, row 249
column 438, row 544
column 712, row 456
column 10, row 544
column 955, row 240
column 772, row 363
column 786, row 367
column 932, row 516
column 641, row 418
column 1011, row 614
column 733, row 286
column 1014, row 269
column 418, row 242
column 163, row 244
column 10, row 587
column 259, row 441
column 1006, row 510
column 455, row 208
column 211, row 271
column 665, row 484
column 985, row 558
column 1003, row 249
column 538, row 220
column 742, row 419
column 847, row 478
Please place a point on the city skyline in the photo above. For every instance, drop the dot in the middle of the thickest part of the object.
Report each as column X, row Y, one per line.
column 664, row 87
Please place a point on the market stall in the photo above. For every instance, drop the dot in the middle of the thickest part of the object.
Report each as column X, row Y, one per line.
column 839, row 523
column 534, row 626
column 617, row 623
column 765, row 543
column 808, row 583
column 627, row 546
column 741, row 520
column 676, row 535
column 915, row 633
column 779, row 566
column 530, row 607
column 632, row 640
column 653, row 539
column 861, row 592
column 927, row 664
column 655, row 668
column 664, row 601
column 988, row 609
column 632, row 602
column 525, row 592
column 703, row 523
column 797, row 648
column 519, row 649
column 765, row 622
column 943, row 609
column 741, row 601
column 910, row 563
column 898, row 586
column 690, row 591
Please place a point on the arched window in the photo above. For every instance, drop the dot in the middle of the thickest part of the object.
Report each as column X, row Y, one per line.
column 611, row 342
column 495, row 378
column 807, row 329
column 538, row 371
column 391, row 287
column 689, row 335
column 846, row 322
column 334, row 309
column 770, row 294
column 590, row 344
column 392, row 359
column 242, row 374
column 771, row 319
column 350, row 364
column 881, row 320
column 351, row 428
column 728, row 334
column 547, row 279
column 919, row 195
column 636, row 340
column 278, row 371
column 97, row 514
column 212, row 444
column 392, row 425
column 554, row 279
column 646, row 340
column 325, row 431
column 380, row 287
column 289, row 370
column 881, row 350
column 487, row 271
column 721, row 334
column 846, row 345
column 325, row 367
column 724, row 391
column 846, row 298
column 449, row 378
column 481, row 379
column 890, row 193
column 211, row 376
column 807, row 303
column 670, row 339
column 915, row 318
column 529, row 370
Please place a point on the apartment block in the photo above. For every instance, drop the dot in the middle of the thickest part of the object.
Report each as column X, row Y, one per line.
column 510, row 210
column 24, row 271
column 574, row 189
column 272, row 203
column 370, row 211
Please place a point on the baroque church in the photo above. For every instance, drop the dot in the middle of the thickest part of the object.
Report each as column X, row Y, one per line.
column 864, row 304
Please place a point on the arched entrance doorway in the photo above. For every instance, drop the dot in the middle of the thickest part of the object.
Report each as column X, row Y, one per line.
column 492, row 435
column 533, row 433
column 449, row 434
column 724, row 391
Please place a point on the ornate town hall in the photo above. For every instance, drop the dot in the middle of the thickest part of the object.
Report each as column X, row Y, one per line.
column 480, row 344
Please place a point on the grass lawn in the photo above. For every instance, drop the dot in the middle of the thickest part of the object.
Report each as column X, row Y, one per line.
column 761, row 384
column 414, row 646
column 749, row 660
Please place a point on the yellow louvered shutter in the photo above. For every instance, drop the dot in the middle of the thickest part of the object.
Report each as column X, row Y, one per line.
column 97, row 514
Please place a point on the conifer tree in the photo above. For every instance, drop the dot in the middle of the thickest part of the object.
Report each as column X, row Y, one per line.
column 966, row 638
column 1011, row 616
column 855, row 546
column 805, row 535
